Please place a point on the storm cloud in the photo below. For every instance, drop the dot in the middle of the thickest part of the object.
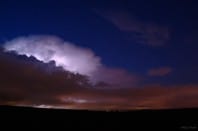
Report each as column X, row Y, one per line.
column 27, row 82
column 51, row 48
column 71, row 57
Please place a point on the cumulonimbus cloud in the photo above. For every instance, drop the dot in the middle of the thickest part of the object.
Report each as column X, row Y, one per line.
column 51, row 48
column 69, row 56
column 26, row 85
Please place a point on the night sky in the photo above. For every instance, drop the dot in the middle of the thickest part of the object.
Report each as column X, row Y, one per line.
column 144, row 53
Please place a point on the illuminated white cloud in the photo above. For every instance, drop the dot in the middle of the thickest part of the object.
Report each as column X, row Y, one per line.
column 51, row 48
column 71, row 57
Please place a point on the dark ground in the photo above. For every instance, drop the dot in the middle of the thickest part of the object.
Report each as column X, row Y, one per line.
column 184, row 119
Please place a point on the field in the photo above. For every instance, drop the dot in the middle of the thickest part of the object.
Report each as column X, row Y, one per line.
column 99, row 120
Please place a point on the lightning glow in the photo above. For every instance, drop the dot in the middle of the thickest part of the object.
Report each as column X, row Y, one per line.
column 51, row 48
column 70, row 57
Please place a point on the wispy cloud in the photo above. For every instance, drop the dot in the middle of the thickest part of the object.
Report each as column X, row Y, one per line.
column 161, row 71
column 144, row 32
